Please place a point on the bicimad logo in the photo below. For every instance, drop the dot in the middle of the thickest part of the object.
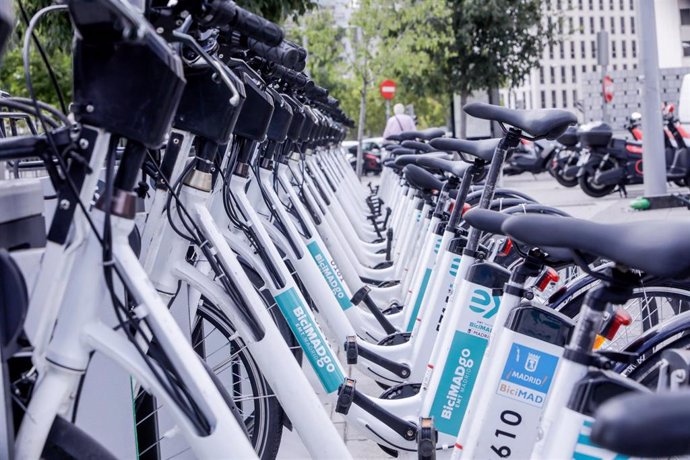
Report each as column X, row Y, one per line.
column 482, row 301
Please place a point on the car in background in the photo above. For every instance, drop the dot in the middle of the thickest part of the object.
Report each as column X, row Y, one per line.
column 684, row 103
column 371, row 149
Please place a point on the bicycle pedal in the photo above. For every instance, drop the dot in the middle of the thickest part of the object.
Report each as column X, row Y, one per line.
column 346, row 396
column 351, row 351
column 426, row 439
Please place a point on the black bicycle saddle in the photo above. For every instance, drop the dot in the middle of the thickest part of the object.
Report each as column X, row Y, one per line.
column 420, row 146
column 410, row 135
column 402, row 151
column 660, row 248
column 421, row 179
column 483, row 149
column 492, row 222
column 454, row 167
column 539, row 123
column 645, row 425
column 406, row 159
column 390, row 163
column 431, row 133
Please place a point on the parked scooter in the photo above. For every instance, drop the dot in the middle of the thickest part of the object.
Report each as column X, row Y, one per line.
column 608, row 163
column 564, row 163
column 679, row 168
column 612, row 162
column 533, row 157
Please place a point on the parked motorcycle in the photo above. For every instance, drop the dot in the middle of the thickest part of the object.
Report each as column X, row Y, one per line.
column 564, row 162
column 612, row 162
column 533, row 157
column 679, row 139
column 607, row 162
column 371, row 154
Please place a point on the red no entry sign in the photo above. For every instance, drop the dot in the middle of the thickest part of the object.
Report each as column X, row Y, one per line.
column 607, row 87
column 387, row 88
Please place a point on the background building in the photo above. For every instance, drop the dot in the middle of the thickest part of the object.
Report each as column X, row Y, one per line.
column 568, row 75
column 673, row 33
column 557, row 82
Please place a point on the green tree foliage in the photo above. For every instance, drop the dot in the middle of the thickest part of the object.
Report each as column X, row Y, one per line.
column 12, row 75
column 496, row 43
column 277, row 10
column 326, row 46
column 397, row 40
column 55, row 35
column 386, row 39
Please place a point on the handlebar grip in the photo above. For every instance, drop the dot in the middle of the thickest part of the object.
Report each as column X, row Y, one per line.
column 299, row 67
column 317, row 92
column 333, row 102
column 283, row 54
column 227, row 13
column 295, row 79
column 302, row 61
column 257, row 27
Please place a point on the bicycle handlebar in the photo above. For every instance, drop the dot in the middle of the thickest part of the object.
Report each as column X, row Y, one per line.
column 295, row 79
column 21, row 147
column 317, row 93
column 225, row 13
column 283, row 54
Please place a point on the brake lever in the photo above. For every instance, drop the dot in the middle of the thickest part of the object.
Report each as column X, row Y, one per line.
column 235, row 99
column 212, row 61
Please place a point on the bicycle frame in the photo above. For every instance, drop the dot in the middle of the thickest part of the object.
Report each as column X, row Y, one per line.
column 166, row 262
column 78, row 331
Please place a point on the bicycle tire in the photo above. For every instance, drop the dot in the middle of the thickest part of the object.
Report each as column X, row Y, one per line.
column 678, row 297
column 66, row 441
column 266, row 431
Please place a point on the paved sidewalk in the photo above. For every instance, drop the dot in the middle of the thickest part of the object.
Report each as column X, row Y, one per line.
column 543, row 188
column 612, row 208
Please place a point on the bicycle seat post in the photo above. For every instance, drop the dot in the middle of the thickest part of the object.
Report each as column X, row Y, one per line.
column 510, row 141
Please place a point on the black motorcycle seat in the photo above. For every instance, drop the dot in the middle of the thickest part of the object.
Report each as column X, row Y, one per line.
column 421, row 179
column 539, row 123
column 595, row 135
column 492, row 222
column 420, row 146
column 454, row 167
column 390, row 147
column 483, row 149
column 394, row 137
column 645, row 425
column 659, row 248
column 569, row 137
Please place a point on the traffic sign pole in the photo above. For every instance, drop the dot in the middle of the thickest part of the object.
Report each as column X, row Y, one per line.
column 652, row 127
column 603, row 61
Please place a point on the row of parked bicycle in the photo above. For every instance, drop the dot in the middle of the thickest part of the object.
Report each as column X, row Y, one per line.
column 591, row 157
column 200, row 227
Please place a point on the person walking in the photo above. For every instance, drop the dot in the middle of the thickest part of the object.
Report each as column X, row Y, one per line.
column 399, row 122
